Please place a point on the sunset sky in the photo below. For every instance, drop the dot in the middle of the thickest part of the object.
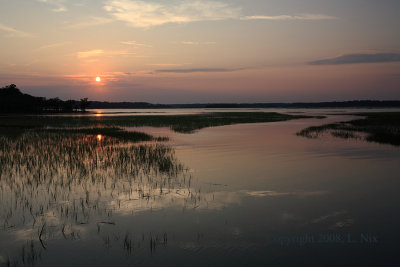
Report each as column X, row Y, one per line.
column 176, row 51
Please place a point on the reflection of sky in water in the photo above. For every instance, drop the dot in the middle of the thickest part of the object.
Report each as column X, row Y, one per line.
column 235, row 186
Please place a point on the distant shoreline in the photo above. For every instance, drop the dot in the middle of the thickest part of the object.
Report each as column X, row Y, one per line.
column 343, row 104
column 13, row 101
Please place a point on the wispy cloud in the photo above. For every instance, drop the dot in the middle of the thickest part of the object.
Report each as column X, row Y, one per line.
column 106, row 76
column 134, row 43
column 90, row 53
column 91, row 22
column 58, row 5
column 165, row 64
column 197, row 70
column 198, row 43
column 99, row 52
column 144, row 14
column 54, row 45
column 359, row 58
column 291, row 17
column 12, row 32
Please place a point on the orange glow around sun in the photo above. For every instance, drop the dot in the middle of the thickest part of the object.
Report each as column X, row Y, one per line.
column 98, row 79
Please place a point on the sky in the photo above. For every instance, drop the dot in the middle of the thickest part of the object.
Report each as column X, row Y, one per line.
column 213, row 51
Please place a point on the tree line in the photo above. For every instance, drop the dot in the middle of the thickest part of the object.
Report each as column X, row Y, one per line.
column 12, row 100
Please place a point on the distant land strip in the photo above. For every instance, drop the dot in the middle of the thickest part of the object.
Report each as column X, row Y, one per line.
column 12, row 100
column 342, row 104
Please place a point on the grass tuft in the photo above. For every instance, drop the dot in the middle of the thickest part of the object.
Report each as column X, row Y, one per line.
column 379, row 127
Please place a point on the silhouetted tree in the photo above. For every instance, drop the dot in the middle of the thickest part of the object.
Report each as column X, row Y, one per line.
column 69, row 106
column 54, row 104
column 84, row 104
column 13, row 101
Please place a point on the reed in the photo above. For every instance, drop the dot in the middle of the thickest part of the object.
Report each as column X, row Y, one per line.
column 55, row 182
column 378, row 127
column 178, row 123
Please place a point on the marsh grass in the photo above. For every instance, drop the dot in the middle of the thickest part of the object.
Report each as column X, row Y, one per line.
column 178, row 123
column 379, row 127
column 53, row 183
column 346, row 135
column 63, row 165
column 109, row 132
column 11, row 132
column 316, row 131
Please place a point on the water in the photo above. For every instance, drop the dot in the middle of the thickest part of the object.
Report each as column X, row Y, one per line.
column 238, row 195
column 161, row 112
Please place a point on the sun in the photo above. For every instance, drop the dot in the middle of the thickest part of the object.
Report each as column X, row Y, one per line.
column 98, row 79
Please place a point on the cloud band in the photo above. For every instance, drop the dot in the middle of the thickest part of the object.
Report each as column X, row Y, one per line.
column 359, row 58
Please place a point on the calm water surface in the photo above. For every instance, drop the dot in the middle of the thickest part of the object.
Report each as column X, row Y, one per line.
column 162, row 112
column 238, row 195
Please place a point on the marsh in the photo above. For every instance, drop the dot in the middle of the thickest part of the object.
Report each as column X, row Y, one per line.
column 195, row 188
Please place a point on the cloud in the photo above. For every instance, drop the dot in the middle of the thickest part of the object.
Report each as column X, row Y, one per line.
column 107, row 75
column 198, row 43
column 134, row 43
column 99, row 52
column 165, row 64
column 90, row 53
column 144, row 14
column 359, row 58
column 58, row 5
column 91, row 22
column 54, row 45
column 12, row 32
column 291, row 17
column 197, row 70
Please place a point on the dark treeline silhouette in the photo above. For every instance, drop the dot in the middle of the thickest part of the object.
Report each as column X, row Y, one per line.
column 126, row 105
column 343, row 104
column 12, row 100
column 334, row 104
